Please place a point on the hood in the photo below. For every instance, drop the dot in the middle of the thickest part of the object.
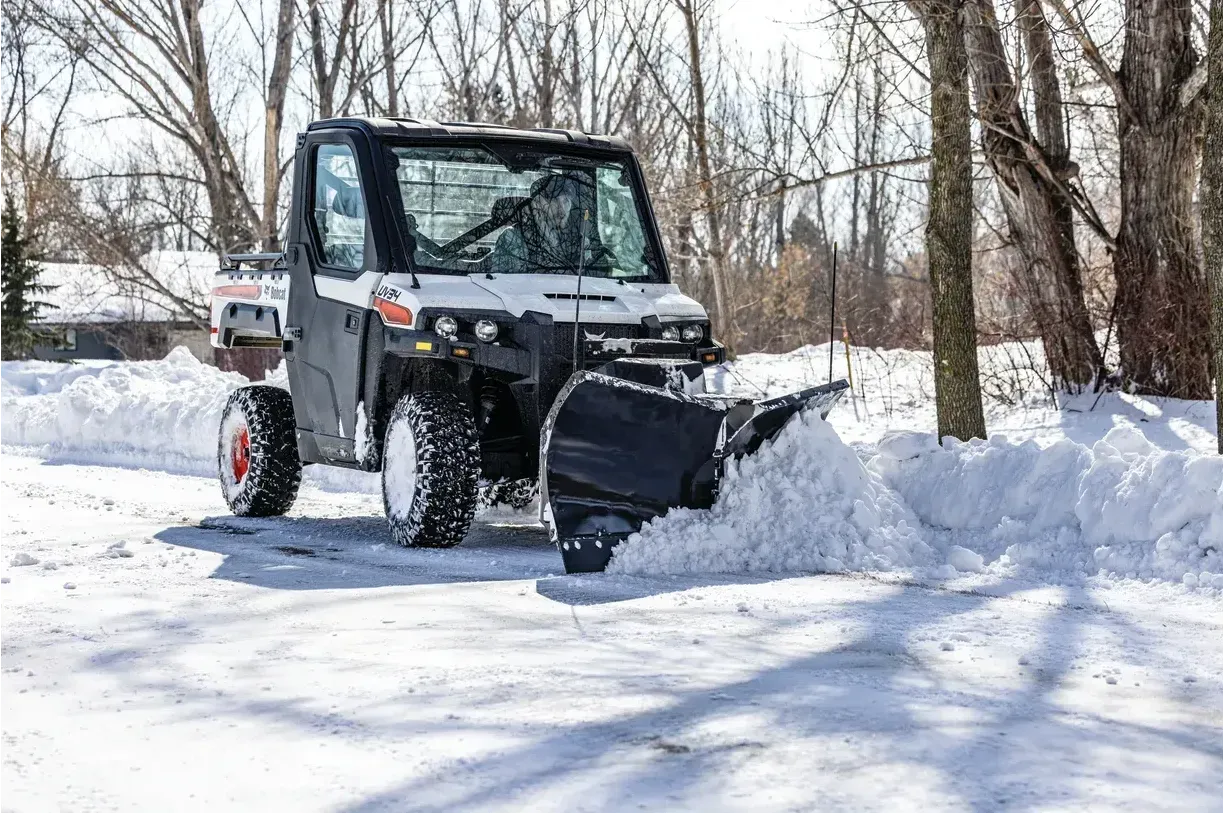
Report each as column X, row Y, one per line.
column 602, row 300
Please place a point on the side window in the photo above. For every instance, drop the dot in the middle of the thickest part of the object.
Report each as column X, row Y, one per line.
column 339, row 210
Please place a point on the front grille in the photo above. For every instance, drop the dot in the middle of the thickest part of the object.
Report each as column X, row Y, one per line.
column 563, row 335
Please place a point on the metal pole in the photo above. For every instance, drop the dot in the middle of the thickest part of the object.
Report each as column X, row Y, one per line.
column 582, row 244
column 833, row 313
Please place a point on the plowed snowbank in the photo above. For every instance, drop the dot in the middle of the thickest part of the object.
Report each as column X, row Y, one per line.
column 163, row 413
column 1122, row 508
column 160, row 415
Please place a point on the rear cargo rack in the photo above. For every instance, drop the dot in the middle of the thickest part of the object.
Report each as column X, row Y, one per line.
column 271, row 259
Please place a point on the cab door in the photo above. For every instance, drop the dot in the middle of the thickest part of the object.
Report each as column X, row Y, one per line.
column 333, row 262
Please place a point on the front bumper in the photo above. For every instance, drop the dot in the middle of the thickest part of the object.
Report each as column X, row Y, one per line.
column 526, row 355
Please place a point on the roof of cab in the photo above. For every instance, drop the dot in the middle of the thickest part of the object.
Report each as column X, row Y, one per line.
column 424, row 128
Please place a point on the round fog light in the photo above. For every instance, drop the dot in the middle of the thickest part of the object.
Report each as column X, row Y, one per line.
column 692, row 333
column 486, row 331
column 446, row 326
column 671, row 334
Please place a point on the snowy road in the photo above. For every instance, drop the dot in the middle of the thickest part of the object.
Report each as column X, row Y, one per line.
column 307, row 664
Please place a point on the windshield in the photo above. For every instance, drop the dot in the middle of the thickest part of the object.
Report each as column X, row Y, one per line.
column 468, row 209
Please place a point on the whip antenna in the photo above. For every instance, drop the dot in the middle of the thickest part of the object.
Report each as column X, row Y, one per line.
column 582, row 245
column 833, row 313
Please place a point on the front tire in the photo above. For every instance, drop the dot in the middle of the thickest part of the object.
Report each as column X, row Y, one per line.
column 515, row 494
column 257, row 454
column 431, row 463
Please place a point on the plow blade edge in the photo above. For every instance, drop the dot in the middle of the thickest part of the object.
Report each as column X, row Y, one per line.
column 616, row 454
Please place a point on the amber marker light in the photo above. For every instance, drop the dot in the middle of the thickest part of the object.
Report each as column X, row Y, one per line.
column 393, row 314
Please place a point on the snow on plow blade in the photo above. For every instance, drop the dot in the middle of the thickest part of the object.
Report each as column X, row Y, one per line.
column 616, row 454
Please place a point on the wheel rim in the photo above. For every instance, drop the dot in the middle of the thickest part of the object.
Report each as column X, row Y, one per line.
column 399, row 470
column 240, row 453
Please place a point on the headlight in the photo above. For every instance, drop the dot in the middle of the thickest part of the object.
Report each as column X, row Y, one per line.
column 671, row 334
column 692, row 333
column 486, row 331
column 446, row 326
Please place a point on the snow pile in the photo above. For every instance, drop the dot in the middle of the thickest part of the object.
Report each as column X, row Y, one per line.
column 1123, row 508
column 159, row 413
column 1065, row 512
column 44, row 377
column 804, row 503
column 979, row 484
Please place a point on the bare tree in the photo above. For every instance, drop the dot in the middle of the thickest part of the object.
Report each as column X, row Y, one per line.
column 1033, row 181
column 692, row 16
column 36, row 72
column 331, row 49
column 274, row 111
column 1163, row 320
column 1210, row 202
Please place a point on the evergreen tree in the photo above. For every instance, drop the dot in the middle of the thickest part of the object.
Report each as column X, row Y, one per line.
column 20, row 285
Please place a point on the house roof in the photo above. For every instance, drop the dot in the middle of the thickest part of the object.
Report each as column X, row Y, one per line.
column 91, row 294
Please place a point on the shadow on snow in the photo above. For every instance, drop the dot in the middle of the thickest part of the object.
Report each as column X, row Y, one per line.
column 308, row 553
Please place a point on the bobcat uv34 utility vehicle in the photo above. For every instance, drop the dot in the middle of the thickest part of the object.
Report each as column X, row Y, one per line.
column 465, row 304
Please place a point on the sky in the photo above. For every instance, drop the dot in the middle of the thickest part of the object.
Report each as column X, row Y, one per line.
column 758, row 25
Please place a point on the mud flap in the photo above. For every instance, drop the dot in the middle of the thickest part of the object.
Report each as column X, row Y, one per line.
column 616, row 454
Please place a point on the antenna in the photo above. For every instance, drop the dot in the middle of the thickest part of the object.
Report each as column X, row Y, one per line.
column 582, row 246
column 401, row 226
column 833, row 314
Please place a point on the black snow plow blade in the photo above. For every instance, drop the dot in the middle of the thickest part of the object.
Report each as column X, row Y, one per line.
column 616, row 453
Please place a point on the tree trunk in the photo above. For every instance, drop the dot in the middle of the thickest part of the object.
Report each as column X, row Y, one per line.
column 386, row 26
column 232, row 229
column 327, row 70
column 1163, row 317
column 949, row 229
column 1039, row 215
column 722, row 312
column 1210, row 203
column 322, row 81
column 274, row 109
column 547, row 69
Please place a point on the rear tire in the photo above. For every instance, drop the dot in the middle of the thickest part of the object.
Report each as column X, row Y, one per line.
column 431, row 463
column 257, row 454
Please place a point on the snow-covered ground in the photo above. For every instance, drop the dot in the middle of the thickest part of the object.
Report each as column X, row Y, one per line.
column 1028, row 623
